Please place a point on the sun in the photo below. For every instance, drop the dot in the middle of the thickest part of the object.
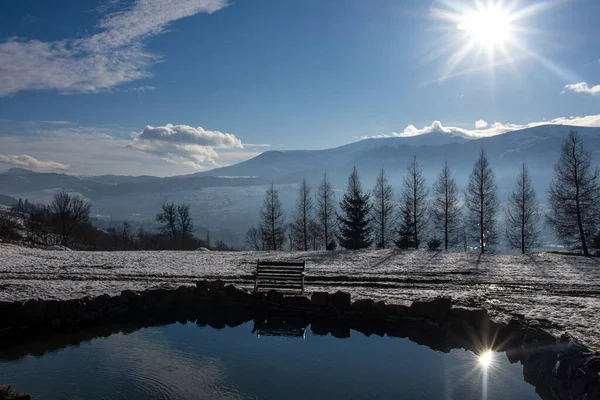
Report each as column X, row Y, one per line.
column 486, row 359
column 490, row 26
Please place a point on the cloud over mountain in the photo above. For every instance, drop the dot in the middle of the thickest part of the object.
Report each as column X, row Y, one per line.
column 114, row 56
column 185, row 144
column 29, row 162
column 483, row 129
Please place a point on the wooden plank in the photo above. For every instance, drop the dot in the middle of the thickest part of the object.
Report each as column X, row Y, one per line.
column 281, row 264
column 281, row 274
column 280, row 271
column 282, row 268
column 277, row 286
column 285, row 273
column 277, row 279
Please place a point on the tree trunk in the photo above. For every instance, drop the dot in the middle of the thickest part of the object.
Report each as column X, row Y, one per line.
column 446, row 214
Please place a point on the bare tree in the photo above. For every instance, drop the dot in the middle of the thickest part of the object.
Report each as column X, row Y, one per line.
column 272, row 220
column 575, row 195
column 326, row 212
column 414, row 195
column 176, row 222
column 303, row 216
column 167, row 218
column 383, row 210
column 522, row 216
column 253, row 239
column 185, row 224
column 70, row 212
column 481, row 202
column 445, row 207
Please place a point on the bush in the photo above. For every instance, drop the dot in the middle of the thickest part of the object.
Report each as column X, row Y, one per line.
column 434, row 243
column 9, row 228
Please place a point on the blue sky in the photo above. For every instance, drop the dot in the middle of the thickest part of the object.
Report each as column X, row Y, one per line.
column 167, row 87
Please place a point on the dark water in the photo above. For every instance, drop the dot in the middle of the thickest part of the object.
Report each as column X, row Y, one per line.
column 186, row 361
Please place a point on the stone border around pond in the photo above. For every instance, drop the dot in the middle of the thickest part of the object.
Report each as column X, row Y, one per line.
column 559, row 367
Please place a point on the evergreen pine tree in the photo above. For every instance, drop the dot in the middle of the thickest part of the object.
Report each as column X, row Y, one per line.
column 354, row 222
column 406, row 237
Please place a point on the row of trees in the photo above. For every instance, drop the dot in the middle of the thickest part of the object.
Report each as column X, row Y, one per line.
column 66, row 221
column 443, row 216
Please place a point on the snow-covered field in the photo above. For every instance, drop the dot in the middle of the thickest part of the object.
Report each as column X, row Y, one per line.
column 562, row 289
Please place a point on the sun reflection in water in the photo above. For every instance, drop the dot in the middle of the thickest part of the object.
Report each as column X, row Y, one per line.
column 486, row 359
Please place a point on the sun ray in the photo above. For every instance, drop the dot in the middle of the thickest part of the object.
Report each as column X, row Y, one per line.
column 483, row 35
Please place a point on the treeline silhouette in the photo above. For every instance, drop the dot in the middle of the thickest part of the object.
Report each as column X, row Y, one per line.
column 66, row 222
column 440, row 215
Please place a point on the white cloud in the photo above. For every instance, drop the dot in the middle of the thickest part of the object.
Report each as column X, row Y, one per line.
column 480, row 124
column 114, row 56
column 107, row 150
column 582, row 87
column 58, row 122
column 26, row 161
column 194, row 147
column 497, row 128
column 186, row 134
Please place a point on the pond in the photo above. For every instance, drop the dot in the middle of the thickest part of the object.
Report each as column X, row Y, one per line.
column 255, row 361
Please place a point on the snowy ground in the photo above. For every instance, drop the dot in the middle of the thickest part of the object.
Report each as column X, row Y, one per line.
column 562, row 289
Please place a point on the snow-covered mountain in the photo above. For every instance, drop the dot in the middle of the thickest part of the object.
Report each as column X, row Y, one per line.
column 228, row 199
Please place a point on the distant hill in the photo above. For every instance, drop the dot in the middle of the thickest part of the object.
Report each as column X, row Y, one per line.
column 7, row 200
column 539, row 146
column 227, row 200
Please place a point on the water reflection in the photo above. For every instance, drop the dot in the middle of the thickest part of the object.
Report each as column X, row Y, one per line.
column 486, row 359
column 218, row 356
column 274, row 326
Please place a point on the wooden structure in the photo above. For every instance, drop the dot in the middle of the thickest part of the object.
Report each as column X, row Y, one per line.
column 279, row 275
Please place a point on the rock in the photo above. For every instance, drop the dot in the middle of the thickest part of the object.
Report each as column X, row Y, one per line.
column 101, row 301
column 117, row 311
column 274, row 296
column 362, row 305
column 397, row 309
column 34, row 311
column 184, row 295
column 474, row 318
column 237, row 293
column 206, row 287
column 128, row 294
column 296, row 301
column 378, row 309
column 320, row 299
column 438, row 308
column 10, row 313
column 7, row 394
column 341, row 300
column 120, row 300
column 65, row 309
